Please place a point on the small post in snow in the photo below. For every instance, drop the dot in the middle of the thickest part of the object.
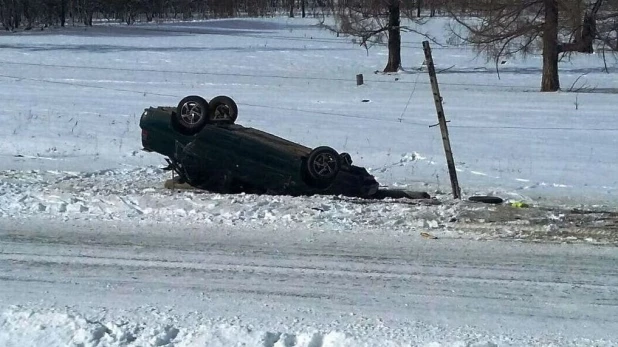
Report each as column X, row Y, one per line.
column 359, row 79
column 441, row 121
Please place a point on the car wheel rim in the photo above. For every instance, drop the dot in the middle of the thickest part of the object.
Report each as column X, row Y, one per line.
column 191, row 112
column 325, row 165
column 222, row 112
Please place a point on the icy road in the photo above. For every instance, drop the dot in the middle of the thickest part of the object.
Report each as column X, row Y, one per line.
column 98, row 284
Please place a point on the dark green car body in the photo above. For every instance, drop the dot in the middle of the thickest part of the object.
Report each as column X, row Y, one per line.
column 232, row 158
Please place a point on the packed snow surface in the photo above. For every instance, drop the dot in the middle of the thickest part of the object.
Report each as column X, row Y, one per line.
column 166, row 284
column 95, row 252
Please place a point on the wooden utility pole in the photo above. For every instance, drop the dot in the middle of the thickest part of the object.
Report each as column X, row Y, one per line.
column 441, row 120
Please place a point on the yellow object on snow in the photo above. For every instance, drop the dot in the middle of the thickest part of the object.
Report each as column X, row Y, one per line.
column 519, row 204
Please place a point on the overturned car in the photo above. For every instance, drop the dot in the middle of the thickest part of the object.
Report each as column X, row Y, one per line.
column 207, row 150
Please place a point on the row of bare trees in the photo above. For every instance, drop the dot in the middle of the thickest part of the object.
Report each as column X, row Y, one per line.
column 26, row 14
column 502, row 28
column 497, row 28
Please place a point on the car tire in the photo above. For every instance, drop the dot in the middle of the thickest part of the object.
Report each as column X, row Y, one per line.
column 192, row 114
column 223, row 110
column 323, row 164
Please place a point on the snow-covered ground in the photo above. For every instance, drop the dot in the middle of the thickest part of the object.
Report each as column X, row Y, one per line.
column 94, row 250
column 167, row 284
column 72, row 100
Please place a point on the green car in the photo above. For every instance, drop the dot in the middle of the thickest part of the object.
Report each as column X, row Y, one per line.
column 208, row 150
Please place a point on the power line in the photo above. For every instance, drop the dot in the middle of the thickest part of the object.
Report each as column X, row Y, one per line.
column 207, row 73
column 343, row 115
column 206, row 31
column 74, row 84
column 171, row 71
column 529, row 128
column 178, row 96
column 409, row 98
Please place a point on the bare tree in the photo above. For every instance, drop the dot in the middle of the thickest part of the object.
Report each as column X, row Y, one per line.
column 502, row 28
column 550, row 81
column 63, row 12
column 372, row 20
column 582, row 21
column 223, row 8
column 394, row 36
column 87, row 11
column 29, row 14
column 605, row 25
column 10, row 14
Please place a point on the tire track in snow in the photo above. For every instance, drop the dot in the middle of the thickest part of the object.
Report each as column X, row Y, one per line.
column 518, row 285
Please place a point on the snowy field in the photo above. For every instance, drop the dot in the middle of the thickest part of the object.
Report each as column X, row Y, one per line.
column 94, row 251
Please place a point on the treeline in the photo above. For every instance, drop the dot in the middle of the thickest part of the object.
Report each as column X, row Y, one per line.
column 27, row 14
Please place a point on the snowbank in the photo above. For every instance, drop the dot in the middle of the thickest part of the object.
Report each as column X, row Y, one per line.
column 26, row 327
column 131, row 197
